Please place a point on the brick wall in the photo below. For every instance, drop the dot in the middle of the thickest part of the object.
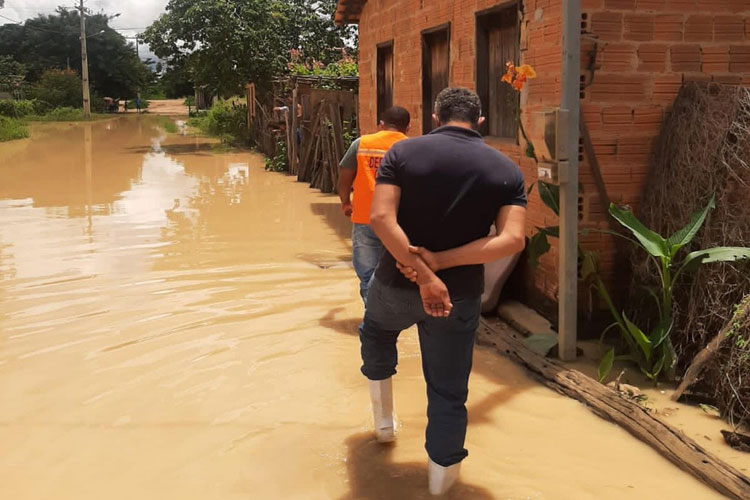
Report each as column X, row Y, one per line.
column 403, row 22
column 644, row 50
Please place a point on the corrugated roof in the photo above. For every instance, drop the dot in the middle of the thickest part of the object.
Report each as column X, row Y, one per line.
column 348, row 11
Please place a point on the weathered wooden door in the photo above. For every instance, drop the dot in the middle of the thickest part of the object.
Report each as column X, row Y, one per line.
column 385, row 78
column 435, row 71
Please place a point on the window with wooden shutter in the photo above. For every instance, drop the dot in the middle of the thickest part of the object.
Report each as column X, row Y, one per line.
column 385, row 78
column 435, row 70
column 498, row 41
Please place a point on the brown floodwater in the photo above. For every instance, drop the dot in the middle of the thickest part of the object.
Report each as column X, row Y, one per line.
column 175, row 322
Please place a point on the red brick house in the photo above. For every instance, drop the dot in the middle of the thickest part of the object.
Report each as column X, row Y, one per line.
column 635, row 54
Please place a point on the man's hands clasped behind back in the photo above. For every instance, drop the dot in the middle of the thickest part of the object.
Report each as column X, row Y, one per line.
column 435, row 297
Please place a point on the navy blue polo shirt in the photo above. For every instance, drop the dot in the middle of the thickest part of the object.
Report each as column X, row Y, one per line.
column 452, row 187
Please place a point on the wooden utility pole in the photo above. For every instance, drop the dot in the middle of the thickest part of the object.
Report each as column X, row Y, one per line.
column 84, row 66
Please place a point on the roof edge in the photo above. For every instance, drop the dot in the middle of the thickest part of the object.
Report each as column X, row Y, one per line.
column 348, row 11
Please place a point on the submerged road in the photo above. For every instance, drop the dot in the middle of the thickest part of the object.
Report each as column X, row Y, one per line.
column 177, row 323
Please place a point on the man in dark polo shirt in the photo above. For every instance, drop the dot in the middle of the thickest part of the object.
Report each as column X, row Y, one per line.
column 435, row 200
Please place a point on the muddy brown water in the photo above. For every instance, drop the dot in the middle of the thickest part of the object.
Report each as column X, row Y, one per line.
column 177, row 323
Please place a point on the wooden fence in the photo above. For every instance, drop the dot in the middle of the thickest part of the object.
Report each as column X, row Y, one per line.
column 318, row 127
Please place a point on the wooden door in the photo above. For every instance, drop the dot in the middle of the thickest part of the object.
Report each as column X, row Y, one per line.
column 385, row 79
column 435, row 71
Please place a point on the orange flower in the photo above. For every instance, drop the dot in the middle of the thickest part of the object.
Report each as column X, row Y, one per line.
column 526, row 71
column 508, row 77
column 516, row 77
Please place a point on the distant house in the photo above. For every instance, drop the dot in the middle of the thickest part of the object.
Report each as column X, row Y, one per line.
column 635, row 55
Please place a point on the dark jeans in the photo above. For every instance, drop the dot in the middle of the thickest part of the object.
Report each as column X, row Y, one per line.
column 447, row 347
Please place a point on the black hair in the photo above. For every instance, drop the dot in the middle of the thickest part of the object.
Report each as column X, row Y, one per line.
column 396, row 117
column 458, row 104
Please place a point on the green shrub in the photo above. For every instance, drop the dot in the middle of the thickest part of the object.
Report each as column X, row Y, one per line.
column 279, row 162
column 11, row 129
column 41, row 107
column 16, row 109
column 62, row 115
column 226, row 120
column 190, row 101
column 60, row 88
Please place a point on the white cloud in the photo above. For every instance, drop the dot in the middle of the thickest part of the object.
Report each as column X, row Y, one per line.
column 133, row 13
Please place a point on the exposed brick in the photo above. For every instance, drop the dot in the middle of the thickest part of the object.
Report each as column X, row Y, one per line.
column 620, row 57
column 713, row 6
column 590, row 4
column 615, row 117
column 728, row 79
column 649, row 5
column 696, row 77
column 669, row 27
column 739, row 59
column 652, row 57
column 607, row 25
column 681, row 5
column 715, row 59
column 648, row 119
column 737, row 6
column 729, row 29
column 665, row 88
column 699, row 28
column 686, row 57
column 619, row 4
column 639, row 27
column 618, row 88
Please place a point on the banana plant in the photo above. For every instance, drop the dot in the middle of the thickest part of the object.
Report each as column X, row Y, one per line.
column 654, row 352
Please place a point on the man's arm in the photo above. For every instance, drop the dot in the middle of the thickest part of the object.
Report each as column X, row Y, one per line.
column 510, row 239
column 384, row 221
column 347, row 174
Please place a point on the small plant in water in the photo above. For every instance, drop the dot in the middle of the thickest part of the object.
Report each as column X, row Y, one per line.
column 653, row 352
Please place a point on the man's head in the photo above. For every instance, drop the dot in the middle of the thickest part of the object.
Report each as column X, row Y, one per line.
column 395, row 118
column 458, row 105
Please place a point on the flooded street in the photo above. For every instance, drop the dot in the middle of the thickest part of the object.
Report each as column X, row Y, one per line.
column 175, row 322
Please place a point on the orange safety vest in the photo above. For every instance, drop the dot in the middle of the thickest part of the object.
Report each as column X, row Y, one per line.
column 372, row 149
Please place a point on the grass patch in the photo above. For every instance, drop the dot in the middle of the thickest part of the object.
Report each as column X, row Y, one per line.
column 168, row 125
column 11, row 129
column 66, row 115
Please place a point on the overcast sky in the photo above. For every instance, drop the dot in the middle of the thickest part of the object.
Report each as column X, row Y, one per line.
column 133, row 13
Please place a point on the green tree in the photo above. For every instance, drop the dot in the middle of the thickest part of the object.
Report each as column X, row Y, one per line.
column 60, row 88
column 52, row 41
column 226, row 43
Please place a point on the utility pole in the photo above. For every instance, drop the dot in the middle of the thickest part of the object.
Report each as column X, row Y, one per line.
column 84, row 67
column 570, row 102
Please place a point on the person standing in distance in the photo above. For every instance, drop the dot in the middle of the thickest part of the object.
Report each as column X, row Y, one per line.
column 435, row 200
column 357, row 171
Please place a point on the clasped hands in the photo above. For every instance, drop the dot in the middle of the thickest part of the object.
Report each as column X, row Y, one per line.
column 435, row 297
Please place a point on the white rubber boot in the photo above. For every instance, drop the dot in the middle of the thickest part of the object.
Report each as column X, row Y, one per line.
column 381, row 394
column 442, row 478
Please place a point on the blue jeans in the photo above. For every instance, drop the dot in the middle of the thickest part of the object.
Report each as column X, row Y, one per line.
column 447, row 346
column 366, row 250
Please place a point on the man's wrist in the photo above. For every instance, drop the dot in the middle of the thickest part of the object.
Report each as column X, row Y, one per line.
column 424, row 273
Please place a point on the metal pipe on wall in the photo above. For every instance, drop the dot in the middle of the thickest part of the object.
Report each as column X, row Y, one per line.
column 568, row 173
